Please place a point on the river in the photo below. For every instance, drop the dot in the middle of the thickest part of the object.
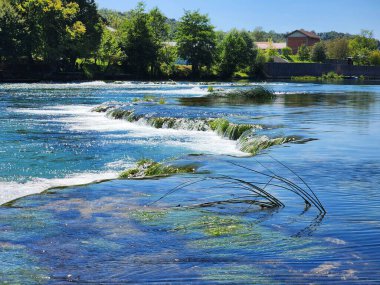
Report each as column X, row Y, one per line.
column 66, row 217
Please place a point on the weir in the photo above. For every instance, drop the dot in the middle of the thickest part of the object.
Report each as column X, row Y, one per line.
column 251, row 138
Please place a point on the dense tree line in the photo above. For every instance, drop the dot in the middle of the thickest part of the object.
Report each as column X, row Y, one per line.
column 50, row 31
column 72, row 35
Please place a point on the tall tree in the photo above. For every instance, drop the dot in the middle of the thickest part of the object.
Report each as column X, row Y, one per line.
column 303, row 53
column 361, row 47
column 109, row 50
column 236, row 51
column 137, row 42
column 85, row 44
column 337, row 49
column 318, row 52
column 158, row 24
column 47, row 25
column 232, row 49
column 10, row 31
column 196, row 40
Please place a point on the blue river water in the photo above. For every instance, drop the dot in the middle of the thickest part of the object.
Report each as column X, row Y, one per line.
column 51, row 139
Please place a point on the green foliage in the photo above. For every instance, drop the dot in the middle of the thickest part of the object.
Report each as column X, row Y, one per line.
column 137, row 42
column 88, row 29
column 109, row 50
column 142, row 39
column 50, row 30
column 233, row 49
column 258, row 66
column 332, row 36
column 287, row 51
column 159, row 28
column 114, row 19
column 259, row 35
column 338, row 48
column 332, row 76
column 318, row 52
column 303, row 53
column 374, row 57
column 196, row 40
column 361, row 47
column 305, row 78
column 10, row 31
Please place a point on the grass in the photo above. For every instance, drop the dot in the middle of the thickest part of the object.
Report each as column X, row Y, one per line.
column 146, row 168
column 331, row 76
column 305, row 78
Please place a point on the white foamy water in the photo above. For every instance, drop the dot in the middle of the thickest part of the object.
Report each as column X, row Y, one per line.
column 13, row 190
column 81, row 119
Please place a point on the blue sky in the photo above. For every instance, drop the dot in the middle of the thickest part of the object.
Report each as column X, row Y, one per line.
column 279, row 15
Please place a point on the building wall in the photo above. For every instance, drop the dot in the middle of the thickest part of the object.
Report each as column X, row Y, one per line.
column 297, row 39
column 295, row 42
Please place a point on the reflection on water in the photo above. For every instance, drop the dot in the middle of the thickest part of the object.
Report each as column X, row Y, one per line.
column 112, row 233
column 355, row 100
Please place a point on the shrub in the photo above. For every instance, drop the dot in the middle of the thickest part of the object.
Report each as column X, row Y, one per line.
column 374, row 58
column 303, row 53
column 318, row 53
column 287, row 52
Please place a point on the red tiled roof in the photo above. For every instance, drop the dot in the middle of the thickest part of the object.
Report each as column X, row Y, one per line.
column 306, row 33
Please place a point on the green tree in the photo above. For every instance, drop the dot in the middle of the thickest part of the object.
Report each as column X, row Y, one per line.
column 10, row 31
column 85, row 43
column 374, row 57
column 259, row 35
column 361, row 47
column 109, row 50
column 196, row 40
column 137, row 42
column 258, row 67
column 250, row 51
column 287, row 51
column 233, row 49
column 158, row 24
column 338, row 48
column 318, row 52
column 303, row 53
column 59, row 29
column 48, row 25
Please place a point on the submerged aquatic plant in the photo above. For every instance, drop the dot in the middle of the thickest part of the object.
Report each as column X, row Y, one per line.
column 149, row 168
